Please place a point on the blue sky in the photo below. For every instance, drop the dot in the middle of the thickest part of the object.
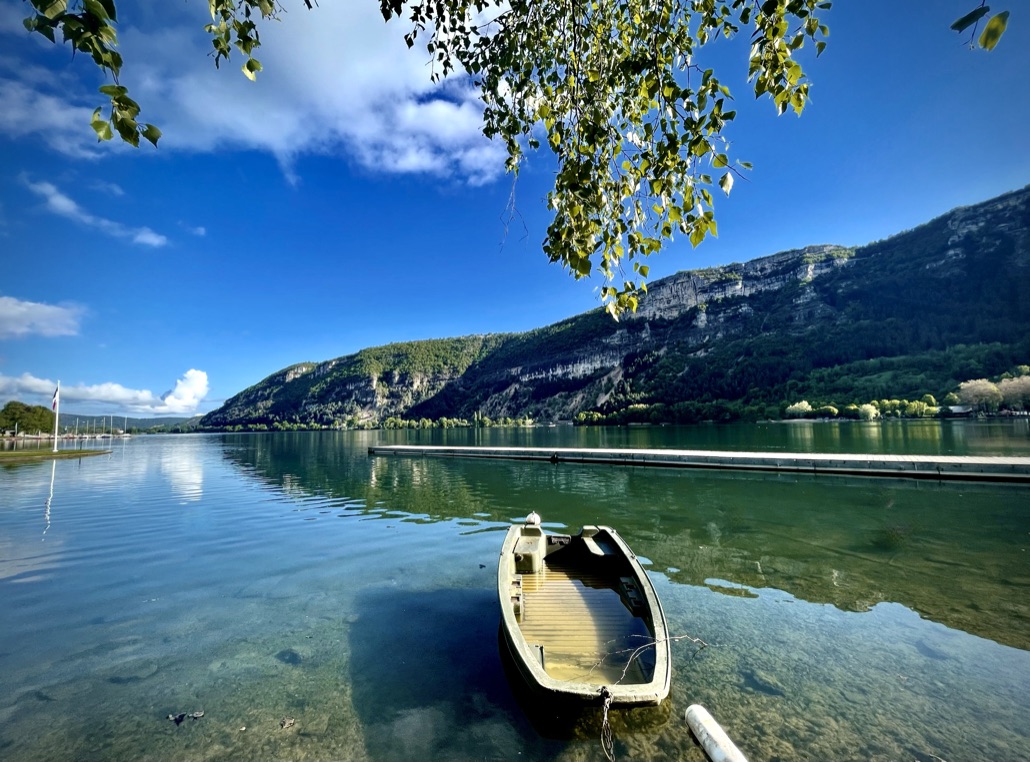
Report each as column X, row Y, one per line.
column 343, row 201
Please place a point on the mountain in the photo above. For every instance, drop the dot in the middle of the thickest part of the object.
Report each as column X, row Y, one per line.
column 127, row 423
column 916, row 313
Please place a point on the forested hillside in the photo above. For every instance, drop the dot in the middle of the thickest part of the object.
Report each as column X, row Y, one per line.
column 913, row 315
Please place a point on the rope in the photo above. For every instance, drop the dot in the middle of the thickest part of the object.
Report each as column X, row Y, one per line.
column 607, row 742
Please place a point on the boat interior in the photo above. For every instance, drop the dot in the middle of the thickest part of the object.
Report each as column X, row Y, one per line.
column 580, row 608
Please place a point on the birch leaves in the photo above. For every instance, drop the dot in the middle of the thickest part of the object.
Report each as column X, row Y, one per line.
column 88, row 26
column 993, row 29
column 617, row 92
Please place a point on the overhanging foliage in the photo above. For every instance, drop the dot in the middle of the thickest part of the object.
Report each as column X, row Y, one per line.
column 615, row 89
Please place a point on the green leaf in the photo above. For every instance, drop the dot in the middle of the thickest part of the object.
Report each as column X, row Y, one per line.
column 127, row 129
column 101, row 126
column 251, row 68
column 54, row 9
column 114, row 91
column 726, row 183
column 34, row 25
column 994, row 30
column 112, row 12
column 970, row 18
column 151, row 133
column 95, row 8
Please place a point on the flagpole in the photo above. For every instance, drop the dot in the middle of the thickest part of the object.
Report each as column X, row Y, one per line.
column 57, row 411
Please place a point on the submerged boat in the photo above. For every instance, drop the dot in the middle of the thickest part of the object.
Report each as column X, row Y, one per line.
column 580, row 616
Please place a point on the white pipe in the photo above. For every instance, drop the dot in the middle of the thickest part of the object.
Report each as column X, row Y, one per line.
column 712, row 737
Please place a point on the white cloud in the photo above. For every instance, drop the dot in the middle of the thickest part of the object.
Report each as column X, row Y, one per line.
column 20, row 318
column 337, row 80
column 56, row 121
column 112, row 189
column 148, row 237
column 63, row 205
column 183, row 399
column 188, row 393
column 198, row 230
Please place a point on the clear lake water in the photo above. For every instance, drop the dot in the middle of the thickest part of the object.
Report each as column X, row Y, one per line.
column 316, row 603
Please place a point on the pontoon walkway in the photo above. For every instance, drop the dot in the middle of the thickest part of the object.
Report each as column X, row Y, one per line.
column 942, row 467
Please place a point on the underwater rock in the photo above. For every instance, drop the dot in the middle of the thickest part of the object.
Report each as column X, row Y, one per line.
column 762, row 682
column 289, row 656
column 930, row 652
column 181, row 716
column 287, row 722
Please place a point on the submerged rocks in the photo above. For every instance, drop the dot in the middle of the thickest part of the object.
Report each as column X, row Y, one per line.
column 762, row 682
column 181, row 716
column 289, row 656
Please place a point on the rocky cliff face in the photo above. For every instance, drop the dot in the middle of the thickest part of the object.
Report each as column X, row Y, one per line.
column 720, row 333
column 673, row 296
column 256, row 402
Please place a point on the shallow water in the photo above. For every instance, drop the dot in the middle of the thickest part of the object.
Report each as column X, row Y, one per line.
column 261, row 578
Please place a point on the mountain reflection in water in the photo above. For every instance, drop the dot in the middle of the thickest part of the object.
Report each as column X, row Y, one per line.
column 955, row 553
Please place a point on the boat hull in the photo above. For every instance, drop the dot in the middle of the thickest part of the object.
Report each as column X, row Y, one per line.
column 580, row 617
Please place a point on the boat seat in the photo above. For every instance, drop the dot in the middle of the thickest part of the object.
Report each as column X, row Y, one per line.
column 631, row 594
column 597, row 548
column 529, row 553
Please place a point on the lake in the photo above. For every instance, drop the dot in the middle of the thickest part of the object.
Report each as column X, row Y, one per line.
column 263, row 578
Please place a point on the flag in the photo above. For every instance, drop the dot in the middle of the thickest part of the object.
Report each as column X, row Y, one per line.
column 56, row 404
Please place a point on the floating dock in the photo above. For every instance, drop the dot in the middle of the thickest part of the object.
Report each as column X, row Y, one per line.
column 1014, row 470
